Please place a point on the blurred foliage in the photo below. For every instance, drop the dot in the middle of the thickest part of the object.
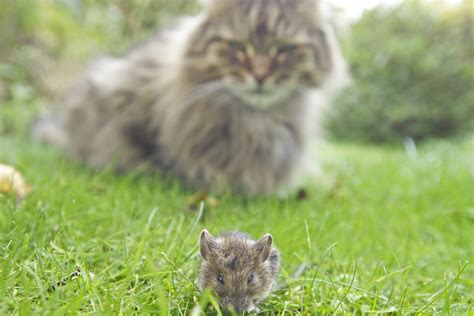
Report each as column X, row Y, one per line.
column 413, row 67
column 41, row 36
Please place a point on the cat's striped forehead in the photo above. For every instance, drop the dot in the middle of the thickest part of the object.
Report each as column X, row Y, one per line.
column 262, row 19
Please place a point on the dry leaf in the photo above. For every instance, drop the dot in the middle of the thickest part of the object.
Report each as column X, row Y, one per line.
column 12, row 181
column 195, row 200
column 212, row 201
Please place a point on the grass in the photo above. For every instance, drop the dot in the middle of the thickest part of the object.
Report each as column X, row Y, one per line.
column 386, row 231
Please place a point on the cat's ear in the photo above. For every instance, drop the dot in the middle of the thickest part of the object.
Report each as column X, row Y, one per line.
column 207, row 244
column 263, row 248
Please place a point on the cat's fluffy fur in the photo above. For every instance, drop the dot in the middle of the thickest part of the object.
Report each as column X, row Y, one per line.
column 224, row 100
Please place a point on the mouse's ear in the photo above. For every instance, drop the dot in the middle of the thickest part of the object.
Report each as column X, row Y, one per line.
column 263, row 248
column 206, row 244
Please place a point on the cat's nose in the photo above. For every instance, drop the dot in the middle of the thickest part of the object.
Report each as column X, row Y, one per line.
column 261, row 68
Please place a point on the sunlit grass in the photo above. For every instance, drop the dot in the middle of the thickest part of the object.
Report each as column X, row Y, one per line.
column 384, row 230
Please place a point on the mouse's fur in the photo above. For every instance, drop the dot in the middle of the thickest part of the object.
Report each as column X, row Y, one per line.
column 240, row 270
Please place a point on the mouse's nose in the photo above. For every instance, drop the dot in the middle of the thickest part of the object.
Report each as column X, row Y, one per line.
column 242, row 305
column 251, row 308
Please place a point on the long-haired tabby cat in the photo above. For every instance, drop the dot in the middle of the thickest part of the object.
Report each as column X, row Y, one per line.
column 224, row 100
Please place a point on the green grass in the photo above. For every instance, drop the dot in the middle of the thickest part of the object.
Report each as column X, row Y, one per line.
column 384, row 231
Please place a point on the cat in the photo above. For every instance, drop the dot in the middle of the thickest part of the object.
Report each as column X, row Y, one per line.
column 222, row 101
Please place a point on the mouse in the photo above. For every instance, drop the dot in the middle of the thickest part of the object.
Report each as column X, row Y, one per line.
column 239, row 270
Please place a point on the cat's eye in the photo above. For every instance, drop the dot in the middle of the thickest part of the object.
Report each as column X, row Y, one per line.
column 250, row 278
column 286, row 48
column 237, row 46
column 220, row 279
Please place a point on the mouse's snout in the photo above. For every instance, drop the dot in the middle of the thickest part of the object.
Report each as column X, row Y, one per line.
column 240, row 304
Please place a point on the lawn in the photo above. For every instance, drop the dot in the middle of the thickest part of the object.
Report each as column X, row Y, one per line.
column 385, row 229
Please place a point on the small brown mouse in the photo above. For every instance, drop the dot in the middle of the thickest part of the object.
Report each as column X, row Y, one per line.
column 240, row 270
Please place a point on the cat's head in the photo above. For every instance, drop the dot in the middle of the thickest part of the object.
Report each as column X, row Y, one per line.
column 262, row 51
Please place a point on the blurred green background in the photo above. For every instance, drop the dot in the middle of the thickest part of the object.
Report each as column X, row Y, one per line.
column 413, row 66
column 43, row 40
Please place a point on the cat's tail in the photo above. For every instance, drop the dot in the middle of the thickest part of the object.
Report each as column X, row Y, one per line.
column 49, row 129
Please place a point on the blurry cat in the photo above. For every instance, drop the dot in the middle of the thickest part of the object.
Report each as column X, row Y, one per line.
column 223, row 101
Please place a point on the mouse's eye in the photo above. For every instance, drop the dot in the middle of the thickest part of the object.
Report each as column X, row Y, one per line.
column 220, row 279
column 250, row 278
